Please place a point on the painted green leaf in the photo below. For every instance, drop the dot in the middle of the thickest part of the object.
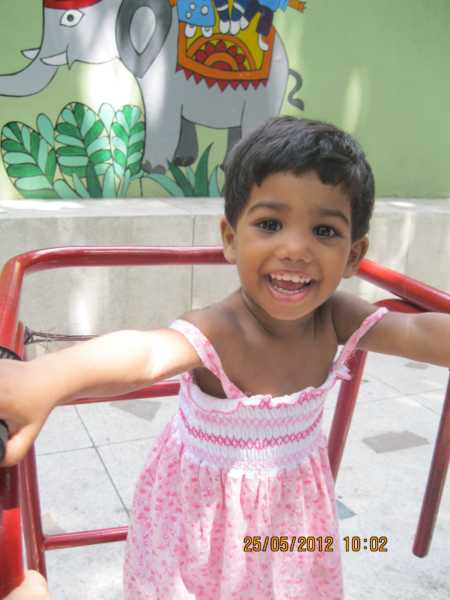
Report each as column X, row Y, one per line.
column 201, row 174
column 101, row 156
column 94, row 133
column 12, row 146
column 51, row 165
column 64, row 190
column 79, row 187
column 69, row 141
column 119, row 144
column 26, row 138
column 69, row 117
column 43, row 154
column 47, row 194
column 93, row 184
column 45, row 128
column 139, row 135
column 127, row 137
column 89, row 122
column 109, row 184
column 101, row 143
column 71, row 151
column 181, row 180
column 214, row 190
column 73, row 161
column 11, row 131
column 83, row 135
column 17, row 158
column 28, row 170
column 106, row 114
column 36, row 183
column 190, row 175
column 167, row 183
column 125, row 183
column 120, row 131
column 29, row 160
column 69, row 130
column 120, row 158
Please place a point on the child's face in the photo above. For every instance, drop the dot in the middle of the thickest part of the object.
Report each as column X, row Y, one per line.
column 293, row 225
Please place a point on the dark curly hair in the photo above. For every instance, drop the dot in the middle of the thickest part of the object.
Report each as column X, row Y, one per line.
column 290, row 145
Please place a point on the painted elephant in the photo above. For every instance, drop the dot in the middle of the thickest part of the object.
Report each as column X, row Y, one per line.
column 144, row 35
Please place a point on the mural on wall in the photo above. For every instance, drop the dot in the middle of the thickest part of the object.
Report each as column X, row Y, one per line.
column 217, row 64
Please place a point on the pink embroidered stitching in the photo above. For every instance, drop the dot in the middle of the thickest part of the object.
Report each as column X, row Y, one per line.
column 258, row 422
column 258, row 444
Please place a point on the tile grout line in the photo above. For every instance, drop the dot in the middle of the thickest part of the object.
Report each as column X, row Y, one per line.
column 103, row 463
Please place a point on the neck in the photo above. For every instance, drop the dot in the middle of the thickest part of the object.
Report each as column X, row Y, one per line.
column 275, row 328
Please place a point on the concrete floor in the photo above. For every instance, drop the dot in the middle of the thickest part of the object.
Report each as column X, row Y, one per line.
column 89, row 458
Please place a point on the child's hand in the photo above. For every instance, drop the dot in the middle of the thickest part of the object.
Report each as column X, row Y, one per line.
column 34, row 587
column 24, row 406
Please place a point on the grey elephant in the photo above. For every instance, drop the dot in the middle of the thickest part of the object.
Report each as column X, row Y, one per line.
column 144, row 35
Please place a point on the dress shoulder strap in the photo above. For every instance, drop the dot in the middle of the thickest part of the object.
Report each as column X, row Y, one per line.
column 207, row 354
column 350, row 344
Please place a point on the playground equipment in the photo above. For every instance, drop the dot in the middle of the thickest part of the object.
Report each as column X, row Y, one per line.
column 16, row 512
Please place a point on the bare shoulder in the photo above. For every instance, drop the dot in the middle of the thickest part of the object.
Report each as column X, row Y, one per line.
column 216, row 321
column 396, row 333
column 348, row 312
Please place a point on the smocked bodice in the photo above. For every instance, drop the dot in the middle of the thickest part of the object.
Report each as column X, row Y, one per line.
column 259, row 432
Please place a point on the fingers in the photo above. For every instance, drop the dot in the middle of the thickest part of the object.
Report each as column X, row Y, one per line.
column 34, row 587
column 18, row 446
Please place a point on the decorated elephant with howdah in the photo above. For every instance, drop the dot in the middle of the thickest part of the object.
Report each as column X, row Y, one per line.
column 222, row 81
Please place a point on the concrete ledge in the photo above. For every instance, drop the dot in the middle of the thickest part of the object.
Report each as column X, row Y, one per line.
column 410, row 236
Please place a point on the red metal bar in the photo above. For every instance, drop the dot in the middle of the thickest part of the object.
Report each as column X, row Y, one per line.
column 419, row 296
column 85, row 538
column 11, row 561
column 435, row 483
column 11, row 565
column 343, row 413
column 416, row 292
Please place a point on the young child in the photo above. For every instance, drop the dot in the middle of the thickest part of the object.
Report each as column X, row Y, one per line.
column 245, row 455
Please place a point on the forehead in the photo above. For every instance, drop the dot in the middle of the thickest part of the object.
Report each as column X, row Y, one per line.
column 289, row 192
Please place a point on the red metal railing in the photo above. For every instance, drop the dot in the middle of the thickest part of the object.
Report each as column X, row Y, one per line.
column 414, row 297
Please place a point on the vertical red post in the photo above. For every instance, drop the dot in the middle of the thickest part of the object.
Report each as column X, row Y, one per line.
column 435, row 483
column 11, row 563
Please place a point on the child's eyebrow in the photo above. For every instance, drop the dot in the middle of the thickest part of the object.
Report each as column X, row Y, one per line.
column 333, row 212
column 280, row 207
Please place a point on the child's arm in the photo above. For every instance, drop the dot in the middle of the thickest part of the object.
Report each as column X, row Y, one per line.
column 424, row 337
column 33, row 587
column 105, row 366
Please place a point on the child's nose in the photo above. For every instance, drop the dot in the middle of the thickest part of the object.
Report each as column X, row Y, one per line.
column 295, row 246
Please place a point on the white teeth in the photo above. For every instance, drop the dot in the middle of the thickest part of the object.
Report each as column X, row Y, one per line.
column 290, row 277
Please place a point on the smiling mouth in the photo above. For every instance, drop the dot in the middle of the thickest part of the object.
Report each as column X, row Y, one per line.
column 288, row 286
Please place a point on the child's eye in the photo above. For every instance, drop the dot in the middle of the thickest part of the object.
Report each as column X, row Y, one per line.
column 269, row 225
column 325, row 231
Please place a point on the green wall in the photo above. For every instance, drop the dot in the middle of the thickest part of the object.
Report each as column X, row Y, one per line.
column 378, row 69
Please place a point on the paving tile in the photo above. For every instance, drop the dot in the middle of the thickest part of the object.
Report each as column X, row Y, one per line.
column 127, row 420
column 394, row 440
column 76, row 492
column 433, row 401
column 409, row 377
column 343, row 511
column 87, row 573
column 63, row 430
column 124, row 462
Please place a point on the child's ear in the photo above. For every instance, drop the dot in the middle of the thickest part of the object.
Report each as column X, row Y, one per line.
column 228, row 240
column 357, row 253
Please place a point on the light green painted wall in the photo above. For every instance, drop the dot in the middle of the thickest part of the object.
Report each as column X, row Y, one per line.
column 378, row 69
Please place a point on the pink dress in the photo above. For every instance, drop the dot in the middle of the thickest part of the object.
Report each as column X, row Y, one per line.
column 225, row 469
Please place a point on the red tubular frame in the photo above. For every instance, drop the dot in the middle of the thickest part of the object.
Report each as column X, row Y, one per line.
column 415, row 297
